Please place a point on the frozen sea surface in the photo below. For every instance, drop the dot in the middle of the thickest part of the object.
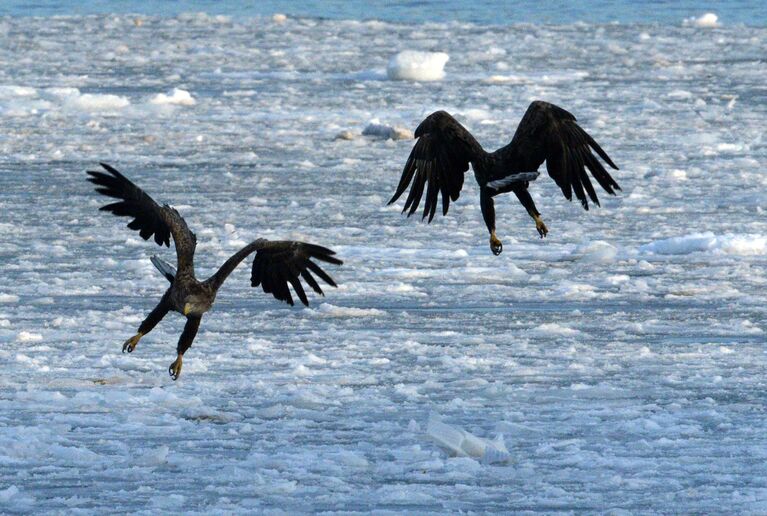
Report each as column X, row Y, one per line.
column 622, row 358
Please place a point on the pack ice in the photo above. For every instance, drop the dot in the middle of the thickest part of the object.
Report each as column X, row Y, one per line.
column 622, row 358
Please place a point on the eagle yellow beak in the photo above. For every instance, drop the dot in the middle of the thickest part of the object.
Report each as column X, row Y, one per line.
column 187, row 309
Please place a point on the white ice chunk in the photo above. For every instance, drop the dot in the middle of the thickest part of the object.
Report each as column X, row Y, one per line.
column 27, row 336
column 176, row 97
column 707, row 20
column 597, row 251
column 413, row 65
column 460, row 443
column 279, row 18
column 387, row 132
column 95, row 102
column 679, row 94
column 231, row 237
column 554, row 330
column 10, row 91
column 746, row 244
column 507, row 79
column 328, row 310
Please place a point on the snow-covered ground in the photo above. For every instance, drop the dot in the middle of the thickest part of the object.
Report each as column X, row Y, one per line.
column 623, row 358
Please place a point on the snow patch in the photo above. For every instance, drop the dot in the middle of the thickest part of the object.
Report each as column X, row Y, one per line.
column 414, row 65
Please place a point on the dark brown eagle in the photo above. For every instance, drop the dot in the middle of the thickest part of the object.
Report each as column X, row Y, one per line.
column 276, row 264
column 548, row 133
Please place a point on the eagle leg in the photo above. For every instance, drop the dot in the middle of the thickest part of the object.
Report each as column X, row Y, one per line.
column 527, row 201
column 154, row 317
column 184, row 343
column 131, row 343
column 488, row 213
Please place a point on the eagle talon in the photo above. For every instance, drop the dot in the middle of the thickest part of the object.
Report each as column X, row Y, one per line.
column 541, row 227
column 496, row 246
column 175, row 369
column 131, row 343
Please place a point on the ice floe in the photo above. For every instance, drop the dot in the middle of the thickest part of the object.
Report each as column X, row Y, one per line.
column 594, row 353
column 415, row 65
column 709, row 242
column 460, row 443
column 329, row 310
column 176, row 96
column 378, row 130
column 707, row 20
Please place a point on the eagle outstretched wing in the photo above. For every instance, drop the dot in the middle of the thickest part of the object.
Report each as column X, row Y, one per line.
column 279, row 263
column 440, row 157
column 149, row 218
column 548, row 132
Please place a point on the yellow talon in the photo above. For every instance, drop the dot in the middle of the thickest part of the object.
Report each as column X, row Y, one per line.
column 175, row 368
column 540, row 226
column 131, row 343
column 495, row 244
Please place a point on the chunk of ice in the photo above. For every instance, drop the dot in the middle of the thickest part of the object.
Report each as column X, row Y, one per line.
column 413, row 65
column 387, row 132
column 707, row 20
column 176, row 96
column 753, row 244
column 460, row 443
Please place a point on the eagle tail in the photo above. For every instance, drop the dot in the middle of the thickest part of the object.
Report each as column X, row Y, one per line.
column 164, row 267
column 516, row 177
